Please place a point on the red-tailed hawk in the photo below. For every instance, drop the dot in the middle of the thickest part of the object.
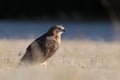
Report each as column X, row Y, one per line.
column 43, row 47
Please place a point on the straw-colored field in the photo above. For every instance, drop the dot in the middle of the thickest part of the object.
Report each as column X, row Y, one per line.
column 75, row 60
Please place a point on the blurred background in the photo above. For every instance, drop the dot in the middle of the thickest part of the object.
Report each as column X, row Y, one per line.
column 84, row 19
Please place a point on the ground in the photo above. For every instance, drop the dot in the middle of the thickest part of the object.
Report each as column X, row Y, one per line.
column 75, row 60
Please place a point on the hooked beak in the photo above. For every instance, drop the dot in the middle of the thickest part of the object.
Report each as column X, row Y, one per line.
column 63, row 30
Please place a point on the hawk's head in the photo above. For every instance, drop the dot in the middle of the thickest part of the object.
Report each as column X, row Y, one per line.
column 57, row 29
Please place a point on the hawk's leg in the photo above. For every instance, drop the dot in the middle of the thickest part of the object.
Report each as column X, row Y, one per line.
column 44, row 65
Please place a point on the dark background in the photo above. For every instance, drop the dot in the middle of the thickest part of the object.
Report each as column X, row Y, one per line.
column 55, row 10
column 23, row 19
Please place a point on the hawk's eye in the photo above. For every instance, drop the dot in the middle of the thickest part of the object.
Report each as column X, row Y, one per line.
column 59, row 29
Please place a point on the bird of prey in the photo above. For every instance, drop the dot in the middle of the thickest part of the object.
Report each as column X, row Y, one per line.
column 44, row 47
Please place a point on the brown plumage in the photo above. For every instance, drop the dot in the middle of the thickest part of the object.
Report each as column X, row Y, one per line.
column 43, row 47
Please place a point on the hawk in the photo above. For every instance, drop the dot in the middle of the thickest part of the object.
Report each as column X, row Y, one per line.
column 44, row 47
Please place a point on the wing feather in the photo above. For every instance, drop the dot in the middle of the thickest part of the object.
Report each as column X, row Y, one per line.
column 49, row 46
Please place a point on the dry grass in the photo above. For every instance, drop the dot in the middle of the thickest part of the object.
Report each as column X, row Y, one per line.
column 75, row 60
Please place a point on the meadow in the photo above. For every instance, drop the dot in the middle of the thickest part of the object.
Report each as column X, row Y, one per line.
column 75, row 60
